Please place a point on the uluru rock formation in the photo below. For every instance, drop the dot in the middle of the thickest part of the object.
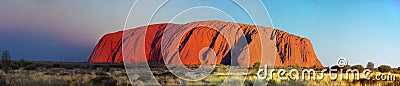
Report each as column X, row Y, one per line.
column 211, row 42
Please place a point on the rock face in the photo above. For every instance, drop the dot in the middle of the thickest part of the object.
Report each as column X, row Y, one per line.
column 211, row 42
column 108, row 49
column 294, row 50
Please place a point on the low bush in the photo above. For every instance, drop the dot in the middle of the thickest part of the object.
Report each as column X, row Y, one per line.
column 14, row 66
column 360, row 68
column 103, row 80
column 256, row 65
column 370, row 65
column 69, row 66
column 105, row 68
column 30, row 67
column 384, row 68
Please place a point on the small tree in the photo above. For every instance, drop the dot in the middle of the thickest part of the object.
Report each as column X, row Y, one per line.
column 384, row 68
column 397, row 70
column 256, row 65
column 22, row 63
column 370, row 65
column 6, row 61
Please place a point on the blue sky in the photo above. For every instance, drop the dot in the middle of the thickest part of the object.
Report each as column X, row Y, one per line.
column 358, row 30
column 67, row 30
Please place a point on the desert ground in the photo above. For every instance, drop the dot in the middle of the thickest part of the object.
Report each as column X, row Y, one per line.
column 107, row 74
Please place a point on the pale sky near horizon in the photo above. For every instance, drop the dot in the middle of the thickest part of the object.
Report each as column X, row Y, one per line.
column 67, row 30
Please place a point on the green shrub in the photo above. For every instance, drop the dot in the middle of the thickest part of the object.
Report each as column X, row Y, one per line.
column 397, row 70
column 30, row 67
column 22, row 63
column 86, row 66
column 358, row 67
column 69, row 66
column 384, row 68
column 345, row 68
column 14, row 66
column 2, row 80
column 100, row 73
column 103, row 80
column 256, row 65
column 297, row 66
column 219, row 65
column 105, row 68
column 56, row 65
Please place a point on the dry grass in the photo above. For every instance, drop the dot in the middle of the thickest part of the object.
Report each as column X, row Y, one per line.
column 64, row 78
column 83, row 77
